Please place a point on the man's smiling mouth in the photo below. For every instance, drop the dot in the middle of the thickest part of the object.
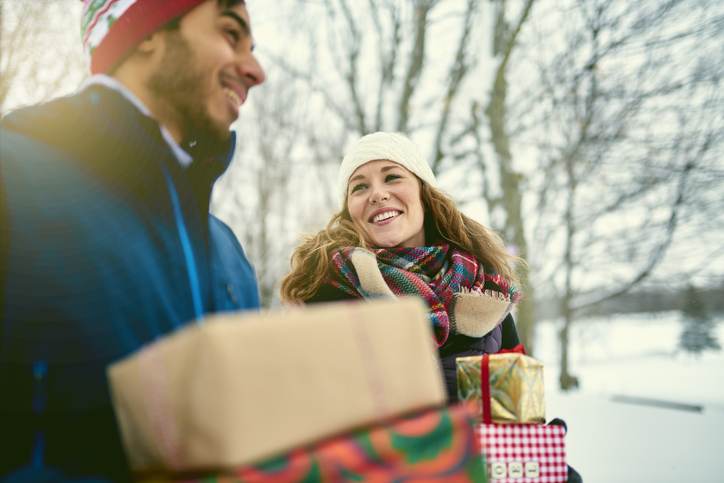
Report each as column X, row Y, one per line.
column 233, row 90
column 233, row 97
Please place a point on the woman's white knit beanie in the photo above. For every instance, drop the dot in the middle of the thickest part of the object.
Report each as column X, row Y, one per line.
column 383, row 145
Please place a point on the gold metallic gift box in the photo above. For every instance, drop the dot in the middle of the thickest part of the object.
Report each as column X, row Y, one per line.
column 516, row 387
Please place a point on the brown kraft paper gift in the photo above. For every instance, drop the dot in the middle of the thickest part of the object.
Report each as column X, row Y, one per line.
column 240, row 388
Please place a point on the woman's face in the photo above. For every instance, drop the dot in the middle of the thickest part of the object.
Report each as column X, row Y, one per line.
column 384, row 198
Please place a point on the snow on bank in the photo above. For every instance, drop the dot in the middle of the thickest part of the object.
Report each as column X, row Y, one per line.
column 636, row 356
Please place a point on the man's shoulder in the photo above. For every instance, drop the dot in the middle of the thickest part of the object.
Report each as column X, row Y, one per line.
column 52, row 125
column 34, row 140
column 224, row 240
column 233, row 268
column 37, row 118
column 222, row 231
column 216, row 224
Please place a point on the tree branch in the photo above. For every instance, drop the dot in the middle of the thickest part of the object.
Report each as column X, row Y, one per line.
column 417, row 60
column 458, row 71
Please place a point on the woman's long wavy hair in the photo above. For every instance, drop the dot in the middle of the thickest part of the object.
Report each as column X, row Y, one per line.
column 444, row 222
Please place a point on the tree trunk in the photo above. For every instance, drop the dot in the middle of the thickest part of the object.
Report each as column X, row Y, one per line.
column 3, row 80
column 512, row 200
column 514, row 229
column 566, row 380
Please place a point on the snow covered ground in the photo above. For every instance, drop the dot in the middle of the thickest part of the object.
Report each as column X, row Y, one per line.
column 635, row 356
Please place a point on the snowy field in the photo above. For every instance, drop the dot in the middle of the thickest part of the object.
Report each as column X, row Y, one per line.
column 610, row 438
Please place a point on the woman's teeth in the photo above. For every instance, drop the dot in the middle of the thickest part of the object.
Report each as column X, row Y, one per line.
column 384, row 216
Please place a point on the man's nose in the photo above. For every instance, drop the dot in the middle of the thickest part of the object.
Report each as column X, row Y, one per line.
column 251, row 70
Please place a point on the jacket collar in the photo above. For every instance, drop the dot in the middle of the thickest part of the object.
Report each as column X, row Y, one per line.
column 182, row 156
column 106, row 131
column 205, row 171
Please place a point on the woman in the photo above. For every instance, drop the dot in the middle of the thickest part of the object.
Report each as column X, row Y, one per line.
column 397, row 234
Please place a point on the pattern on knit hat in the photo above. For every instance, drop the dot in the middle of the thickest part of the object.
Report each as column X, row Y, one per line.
column 391, row 146
column 98, row 17
column 110, row 29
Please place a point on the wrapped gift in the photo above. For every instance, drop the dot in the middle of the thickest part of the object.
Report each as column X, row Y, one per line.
column 524, row 453
column 240, row 388
column 506, row 387
column 436, row 445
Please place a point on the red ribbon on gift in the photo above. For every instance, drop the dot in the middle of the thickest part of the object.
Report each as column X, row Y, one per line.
column 485, row 380
column 520, row 349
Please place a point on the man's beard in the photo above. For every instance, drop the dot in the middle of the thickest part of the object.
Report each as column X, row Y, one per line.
column 178, row 85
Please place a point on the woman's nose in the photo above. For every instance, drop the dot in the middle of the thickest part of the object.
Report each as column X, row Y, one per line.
column 379, row 196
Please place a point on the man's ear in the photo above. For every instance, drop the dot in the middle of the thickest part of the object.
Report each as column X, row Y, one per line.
column 145, row 56
column 152, row 44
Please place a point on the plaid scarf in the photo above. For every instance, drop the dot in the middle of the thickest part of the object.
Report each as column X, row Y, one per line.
column 435, row 273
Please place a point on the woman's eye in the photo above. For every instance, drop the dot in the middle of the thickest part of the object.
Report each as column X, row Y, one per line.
column 392, row 177
column 357, row 187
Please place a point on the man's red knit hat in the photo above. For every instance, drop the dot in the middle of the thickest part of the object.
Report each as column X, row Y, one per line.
column 110, row 29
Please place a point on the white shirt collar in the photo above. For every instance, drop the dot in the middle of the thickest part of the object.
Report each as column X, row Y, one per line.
column 182, row 156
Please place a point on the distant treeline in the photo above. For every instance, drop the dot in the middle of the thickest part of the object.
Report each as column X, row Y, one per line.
column 661, row 300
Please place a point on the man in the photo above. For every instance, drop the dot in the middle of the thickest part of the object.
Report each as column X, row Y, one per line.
column 106, row 242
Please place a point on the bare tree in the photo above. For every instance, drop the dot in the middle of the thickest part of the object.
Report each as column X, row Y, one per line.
column 617, row 73
column 577, row 144
column 505, row 39
column 39, row 56
column 267, row 190
column 386, row 80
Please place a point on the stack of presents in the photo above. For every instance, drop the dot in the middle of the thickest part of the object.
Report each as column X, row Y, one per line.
column 346, row 392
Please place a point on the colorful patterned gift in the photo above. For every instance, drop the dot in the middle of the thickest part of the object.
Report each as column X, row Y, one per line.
column 524, row 453
column 437, row 445
column 506, row 387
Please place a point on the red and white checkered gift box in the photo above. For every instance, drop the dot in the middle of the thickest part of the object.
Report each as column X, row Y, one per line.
column 524, row 453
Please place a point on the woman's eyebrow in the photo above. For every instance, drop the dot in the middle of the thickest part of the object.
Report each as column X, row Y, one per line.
column 384, row 169
column 389, row 167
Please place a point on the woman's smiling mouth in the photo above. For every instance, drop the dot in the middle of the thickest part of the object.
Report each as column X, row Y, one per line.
column 383, row 217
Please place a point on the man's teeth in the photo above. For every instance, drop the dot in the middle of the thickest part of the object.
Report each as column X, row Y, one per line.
column 384, row 216
column 233, row 96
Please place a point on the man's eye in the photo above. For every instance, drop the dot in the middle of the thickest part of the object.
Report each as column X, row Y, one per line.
column 233, row 35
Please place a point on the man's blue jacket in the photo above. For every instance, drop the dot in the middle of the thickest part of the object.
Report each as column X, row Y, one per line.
column 106, row 244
